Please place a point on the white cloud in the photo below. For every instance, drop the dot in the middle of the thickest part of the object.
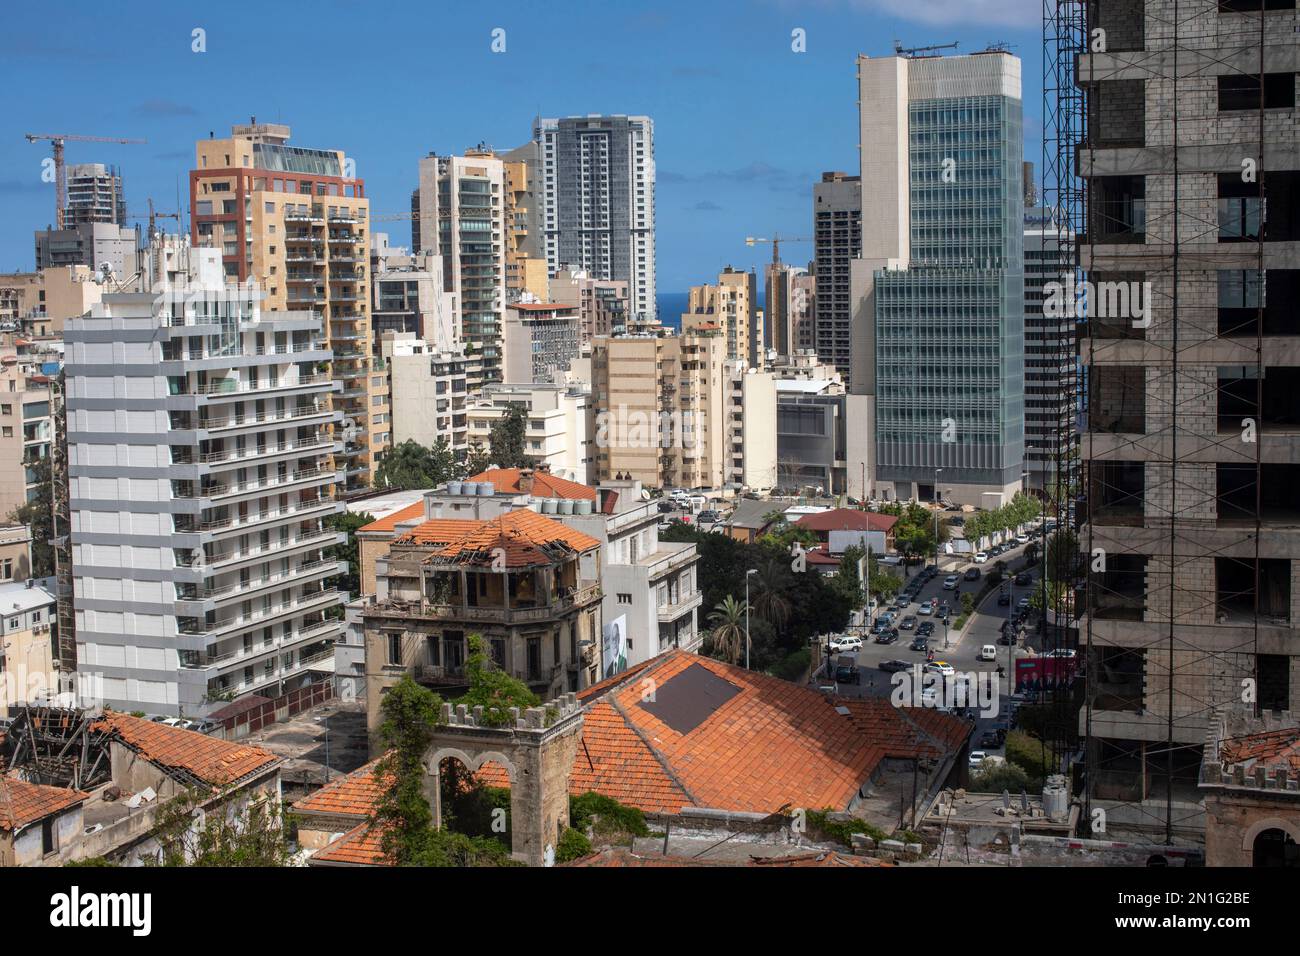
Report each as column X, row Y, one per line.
column 1025, row 14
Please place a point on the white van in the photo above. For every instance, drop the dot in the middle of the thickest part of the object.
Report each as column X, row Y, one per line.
column 988, row 653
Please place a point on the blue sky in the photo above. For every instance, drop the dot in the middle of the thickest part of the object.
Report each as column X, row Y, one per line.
column 743, row 125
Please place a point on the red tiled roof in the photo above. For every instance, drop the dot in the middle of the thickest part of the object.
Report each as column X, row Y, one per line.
column 847, row 519
column 214, row 761
column 545, row 485
column 360, row 846
column 354, row 795
column 1270, row 749
column 390, row 522
column 522, row 534
column 23, row 803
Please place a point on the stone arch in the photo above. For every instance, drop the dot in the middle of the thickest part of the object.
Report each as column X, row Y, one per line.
column 1289, row 827
column 1274, row 843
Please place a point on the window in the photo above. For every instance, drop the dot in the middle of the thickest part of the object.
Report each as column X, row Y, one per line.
column 49, row 843
column 1237, row 92
column 6, row 409
column 624, row 598
column 395, row 649
column 7, row 569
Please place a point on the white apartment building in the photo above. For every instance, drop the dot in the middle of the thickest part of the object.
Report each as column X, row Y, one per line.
column 561, row 429
column 751, row 428
column 200, row 476
column 429, row 392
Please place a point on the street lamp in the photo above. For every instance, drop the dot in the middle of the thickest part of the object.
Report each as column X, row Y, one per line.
column 937, row 473
column 747, row 574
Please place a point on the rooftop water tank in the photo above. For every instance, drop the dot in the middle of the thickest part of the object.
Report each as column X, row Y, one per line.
column 582, row 507
column 564, row 506
column 485, row 489
column 454, row 487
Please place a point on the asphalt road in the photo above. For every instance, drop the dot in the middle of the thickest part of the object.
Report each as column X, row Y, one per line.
column 961, row 651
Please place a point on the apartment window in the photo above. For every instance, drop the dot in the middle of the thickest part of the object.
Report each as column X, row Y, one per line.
column 1274, row 682
column 7, row 569
column 6, row 409
column 8, row 432
column 624, row 598
column 395, row 649
column 1237, row 92
column 49, row 842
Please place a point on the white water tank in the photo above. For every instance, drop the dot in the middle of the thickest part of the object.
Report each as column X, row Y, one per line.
column 485, row 489
column 582, row 507
column 454, row 487
column 564, row 506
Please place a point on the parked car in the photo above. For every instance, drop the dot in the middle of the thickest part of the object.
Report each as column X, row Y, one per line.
column 909, row 623
column 977, row 758
column 205, row 726
column 891, row 667
column 980, row 557
column 708, row 516
column 846, row 644
column 950, row 583
column 957, row 521
column 1022, row 539
column 972, row 574
column 665, row 506
column 847, row 674
column 1024, row 579
column 988, row 653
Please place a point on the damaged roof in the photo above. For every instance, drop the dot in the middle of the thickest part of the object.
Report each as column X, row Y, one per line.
column 185, row 754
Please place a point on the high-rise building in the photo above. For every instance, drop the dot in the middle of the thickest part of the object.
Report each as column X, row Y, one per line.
column 409, row 296
column 98, row 245
column 751, row 428
column 94, row 195
column 837, row 238
column 1190, row 451
column 1051, row 380
column 429, row 392
column 595, row 203
column 602, row 304
column 199, row 450
column 460, row 205
column 941, row 274
column 295, row 220
column 787, row 303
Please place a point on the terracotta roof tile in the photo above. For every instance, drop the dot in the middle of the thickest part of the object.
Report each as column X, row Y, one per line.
column 360, row 846
column 523, row 535
column 1270, row 749
column 623, row 857
column 390, row 522
column 214, row 761
column 352, row 796
column 545, row 485
column 23, row 803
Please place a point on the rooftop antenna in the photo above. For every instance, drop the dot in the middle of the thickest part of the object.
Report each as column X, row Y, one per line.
column 914, row 51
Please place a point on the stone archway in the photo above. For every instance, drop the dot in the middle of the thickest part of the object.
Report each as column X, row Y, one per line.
column 537, row 752
column 1274, row 846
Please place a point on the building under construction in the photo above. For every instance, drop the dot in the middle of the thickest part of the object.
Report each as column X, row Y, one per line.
column 1173, row 148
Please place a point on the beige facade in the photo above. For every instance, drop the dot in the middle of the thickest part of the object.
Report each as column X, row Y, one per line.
column 731, row 304
column 26, row 430
column 751, row 428
column 38, row 302
column 602, row 304
column 296, row 222
column 15, row 553
column 661, row 408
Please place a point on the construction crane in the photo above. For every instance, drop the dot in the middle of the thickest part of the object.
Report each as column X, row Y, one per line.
column 395, row 216
column 776, row 241
column 912, row 51
column 154, row 216
column 60, row 180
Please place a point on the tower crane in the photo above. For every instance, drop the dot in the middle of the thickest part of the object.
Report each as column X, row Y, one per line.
column 776, row 241
column 154, row 216
column 60, row 179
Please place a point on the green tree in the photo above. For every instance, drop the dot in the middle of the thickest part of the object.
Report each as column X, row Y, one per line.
column 249, row 836
column 412, row 465
column 728, row 620
column 37, row 515
column 506, row 440
column 770, row 600
column 492, row 688
column 349, row 550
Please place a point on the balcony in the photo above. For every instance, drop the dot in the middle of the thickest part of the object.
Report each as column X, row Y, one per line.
column 317, row 600
column 224, row 489
column 228, row 422
column 230, row 386
column 500, row 614
column 304, row 572
column 236, row 456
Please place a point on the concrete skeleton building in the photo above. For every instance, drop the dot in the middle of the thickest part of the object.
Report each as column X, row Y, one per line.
column 788, row 319
column 200, row 441
column 594, row 204
column 94, row 195
column 1190, row 448
column 295, row 221
column 938, row 341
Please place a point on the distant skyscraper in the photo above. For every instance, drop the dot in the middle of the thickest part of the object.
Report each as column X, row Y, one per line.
column 837, row 233
column 595, row 204
column 942, row 208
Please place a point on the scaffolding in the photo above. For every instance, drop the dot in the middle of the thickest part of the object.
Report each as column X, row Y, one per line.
column 1178, row 584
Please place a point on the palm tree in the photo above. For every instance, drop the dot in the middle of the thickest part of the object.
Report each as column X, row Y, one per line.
column 728, row 620
column 771, row 603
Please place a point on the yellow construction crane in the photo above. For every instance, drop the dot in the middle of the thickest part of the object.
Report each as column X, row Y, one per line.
column 776, row 241
column 60, row 181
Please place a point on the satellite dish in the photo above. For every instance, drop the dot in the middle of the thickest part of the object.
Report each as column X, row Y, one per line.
column 105, row 273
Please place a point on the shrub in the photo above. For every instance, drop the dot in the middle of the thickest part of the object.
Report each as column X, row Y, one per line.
column 999, row 777
column 611, row 817
column 573, row 845
column 842, row 830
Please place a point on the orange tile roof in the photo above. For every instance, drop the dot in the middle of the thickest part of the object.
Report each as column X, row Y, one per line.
column 390, row 522
column 354, row 795
column 214, row 761
column 543, row 307
column 847, row 519
column 23, row 803
column 1271, row 749
column 545, row 485
column 360, row 846
column 523, row 534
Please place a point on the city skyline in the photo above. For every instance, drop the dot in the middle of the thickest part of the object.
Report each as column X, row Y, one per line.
column 711, row 191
